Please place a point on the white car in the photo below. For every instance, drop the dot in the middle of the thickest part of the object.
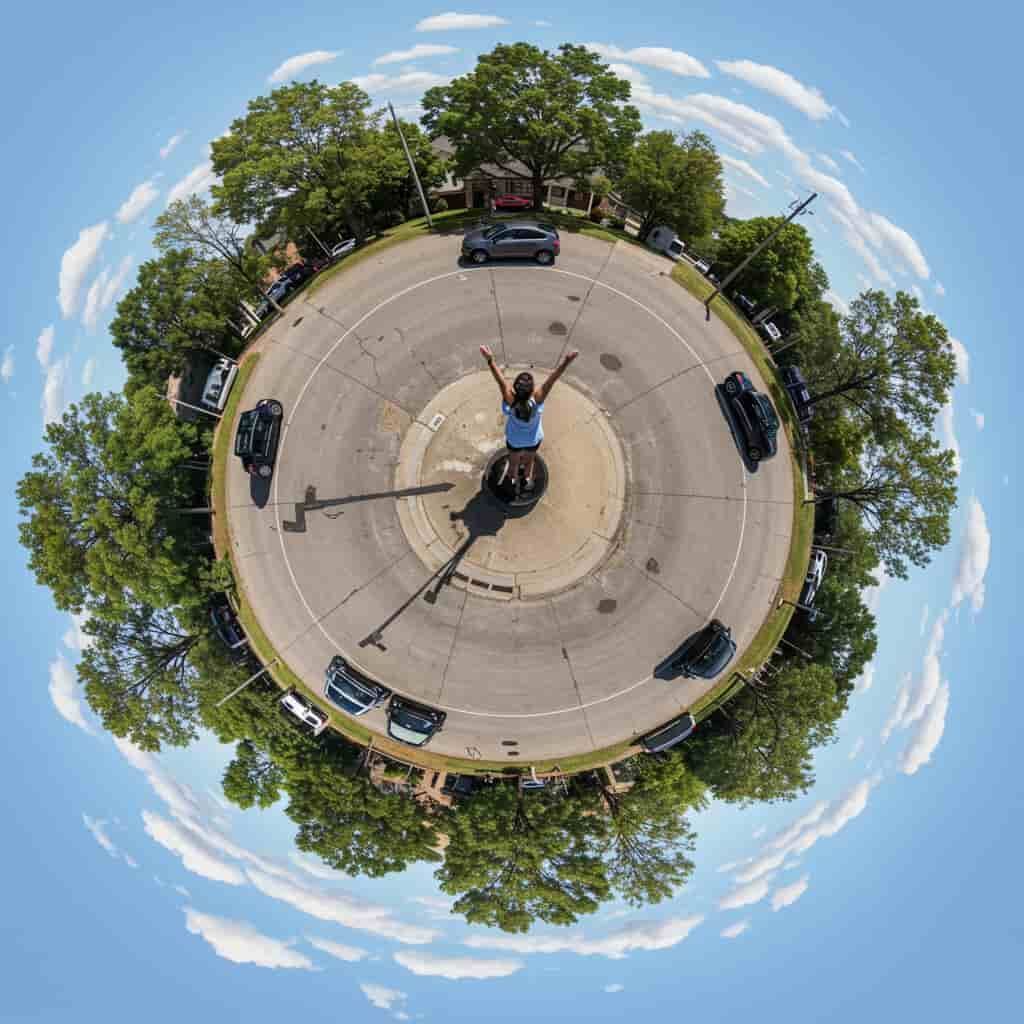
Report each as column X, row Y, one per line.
column 703, row 266
column 218, row 384
column 343, row 248
column 813, row 579
column 772, row 333
column 309, row 715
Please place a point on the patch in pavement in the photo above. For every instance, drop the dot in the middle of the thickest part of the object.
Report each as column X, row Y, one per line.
column 610, row 362
column 652, row 566
column 557, row 328
column 607, row 606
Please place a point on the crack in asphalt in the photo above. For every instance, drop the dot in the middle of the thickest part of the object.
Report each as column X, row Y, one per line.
column 579, row 312
column 572, row 673
column 662, row 586
column 501, row 326
column 675, row 376
column 451, row 649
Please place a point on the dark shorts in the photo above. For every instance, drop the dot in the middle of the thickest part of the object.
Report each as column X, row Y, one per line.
column 528, row 448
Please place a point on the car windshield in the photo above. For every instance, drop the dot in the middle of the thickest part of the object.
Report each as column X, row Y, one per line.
column 399, row 732
column 246, row 425
column 337, row 696
column 767, row 415
column 715, row 655
column 671, row 734
column 417, row 724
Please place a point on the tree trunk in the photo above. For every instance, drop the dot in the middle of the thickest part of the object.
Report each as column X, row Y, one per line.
column 538, row 189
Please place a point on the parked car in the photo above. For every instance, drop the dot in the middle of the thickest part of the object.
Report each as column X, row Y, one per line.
column 770, row 331
column 226, row 625
column 218, row 384
column 512, row 202
column 669, row 734
column 826, row 518
column 297, row 274
column 747, row 305
column 277, row 291
column 256, row 439
column 813, row 579
column 706, row 653
column 343, row 248
column 663, row 239
column 412, row 723
column 308, row 714
column 755, row 416
column 527, row 239
column 703, row 266
column 347, row 688
column 460, row 785
column 796, row 386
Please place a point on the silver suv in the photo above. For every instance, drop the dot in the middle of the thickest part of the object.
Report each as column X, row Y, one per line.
column 347, row 688
column 512, row 239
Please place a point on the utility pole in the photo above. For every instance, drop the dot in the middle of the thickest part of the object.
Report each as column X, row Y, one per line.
column 722, row 286
column 327, row 252
column 242, row 686
column 412, row 167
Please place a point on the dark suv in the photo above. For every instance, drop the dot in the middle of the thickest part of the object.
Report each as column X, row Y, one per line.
column 411, row 723
column 796, row 386
column 512, row 239
column 669, row 734
column 256, row 439
column 706, row 653
column 226, row 625
column 347, row 688
column 755, row 416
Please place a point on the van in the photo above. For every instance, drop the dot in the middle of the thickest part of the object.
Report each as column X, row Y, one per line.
column 218, row 384
column 664, row 239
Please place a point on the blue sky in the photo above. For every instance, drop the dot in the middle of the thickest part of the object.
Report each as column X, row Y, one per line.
column 892, row 882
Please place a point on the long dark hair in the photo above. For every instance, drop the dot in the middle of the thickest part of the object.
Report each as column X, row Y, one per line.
column 523, row 388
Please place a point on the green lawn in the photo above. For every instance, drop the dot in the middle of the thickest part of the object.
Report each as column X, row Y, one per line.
column 765, row 641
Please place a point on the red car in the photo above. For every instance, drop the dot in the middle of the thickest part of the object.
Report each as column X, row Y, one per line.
column 512, row 202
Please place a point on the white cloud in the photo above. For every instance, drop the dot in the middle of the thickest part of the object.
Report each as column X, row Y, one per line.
column 44, row 346
column 675, row 61
column 316, row 868
column 415, row 53
column 899, row 708
column 103, row 291
column 745, row 895
column 804, row 98
column 839, row 304
column 962, row 358
column 614, row 987
column 199, row 179
column 866, row 679
column 734, row 930
column 947, row 432
column 408, row 81
column 745, row 168
column 182, row 891
column 456, row 968
column 637, row 935
column 129, row 860
column 873, row 595
column 76, row 263
column 439, row 909
column 88, row 371
column 855, row 750
column 171, row 145
column 759, row 831
column 902, row 243
column 381, row 997
column 196, row 855
column 7, row 366
column 783, row 840
column 979, row 419
column 542, row 24
column 66, row 693
column 940, row 289
column 923, row 625
column 838, row 817
column 135, row 205
column 450, row 21
column 787, row 895
column 98, row 830
column 350, row 954
column 975, row 551
column 825, row 159
column 296, row 65
column 848, row 155
column 340, row 908
column 928, row 733
column 240, row 943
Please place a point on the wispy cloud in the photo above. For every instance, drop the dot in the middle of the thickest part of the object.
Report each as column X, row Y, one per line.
column 979, row 418
column 635, row 936
column 196, row 855
column 614, row 987
column 848, row 155
column 929, row 732
column 746, row 895
column 66, row 693
column 899, row 708
column 972, row 565
column 825, row 159
column 241, row 943
column 7, row 366
column 946, row 430
column 293, row 66
column 198, row 180
column 44, row 346
column 88, row 372
column 745, row 168
column 52, row 402
column 103, row 291
column 171, row 145
column 456, row 968
column 962, row 358
column 856, row 749
column 940, row 289
column 661, row 57
column 381, row 997
column 837, row 302
column 416, row 52
column 135, row 205
column 734, row 931
column 76, row 263
column 408, row 81
column 787, row 895
column 804, row 98
column 451, row 21
column 98, row 829
column 340, row 951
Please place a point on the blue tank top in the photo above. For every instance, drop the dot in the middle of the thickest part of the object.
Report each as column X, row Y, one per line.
column 523, row 433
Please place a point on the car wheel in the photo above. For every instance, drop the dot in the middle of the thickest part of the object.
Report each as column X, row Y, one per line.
column 264, row 471
column 478, row 256
column 731, row 386
column 754, row 454
column 276, row 409
column 544, row 257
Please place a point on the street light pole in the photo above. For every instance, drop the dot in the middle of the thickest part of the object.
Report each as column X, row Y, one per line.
column 722, row 286
column 412, row 166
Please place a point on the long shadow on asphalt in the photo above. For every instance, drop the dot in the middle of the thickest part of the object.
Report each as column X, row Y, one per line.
column 311, row 503
column 482, row 517
column 737, row 437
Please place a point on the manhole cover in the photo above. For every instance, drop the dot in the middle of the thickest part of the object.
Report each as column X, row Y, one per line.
column 607, row 606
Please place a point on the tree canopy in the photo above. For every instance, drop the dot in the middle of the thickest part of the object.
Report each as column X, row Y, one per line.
column 557, row 114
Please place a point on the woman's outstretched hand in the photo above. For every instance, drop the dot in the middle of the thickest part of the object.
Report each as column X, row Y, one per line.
column 486, row 353
column 570, row 356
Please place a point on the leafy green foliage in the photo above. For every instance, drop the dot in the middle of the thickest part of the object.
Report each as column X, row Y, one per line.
column 561, row 114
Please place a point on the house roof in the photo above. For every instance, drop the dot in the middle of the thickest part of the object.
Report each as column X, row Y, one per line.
column 443, row 146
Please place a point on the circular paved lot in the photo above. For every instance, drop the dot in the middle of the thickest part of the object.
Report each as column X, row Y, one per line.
column 538, row 636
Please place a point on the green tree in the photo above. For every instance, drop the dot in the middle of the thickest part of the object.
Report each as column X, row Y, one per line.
column 758, row 746
column 561, row 114
column 136, row 673
column 180, row 305
column 101, row 507
column 253, row 777
column 515, row 858
column 675, row 181
column 782, row 275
